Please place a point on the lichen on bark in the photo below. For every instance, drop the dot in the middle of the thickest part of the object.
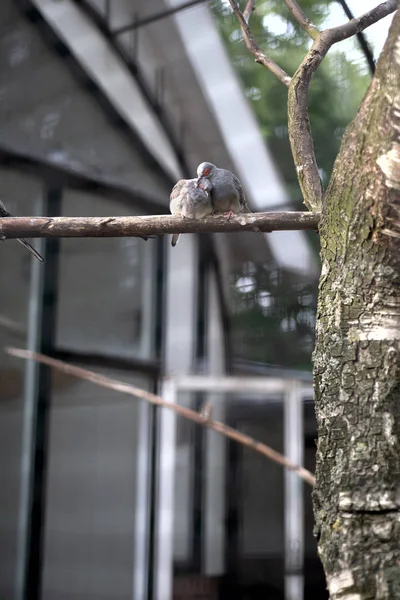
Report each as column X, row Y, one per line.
column 357, row 354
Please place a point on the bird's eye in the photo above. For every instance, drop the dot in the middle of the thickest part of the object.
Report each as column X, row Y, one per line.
column 206, row 172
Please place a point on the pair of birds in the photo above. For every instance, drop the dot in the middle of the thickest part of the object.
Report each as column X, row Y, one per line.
column 213, row 191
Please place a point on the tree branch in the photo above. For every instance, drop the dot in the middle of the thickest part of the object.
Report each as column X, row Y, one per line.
column 300, row 136
column 302, row 19
column 248, row 9
column 364, row 45
column 37, row 227
column 255, row 49
column 199, row 418
column 347, row 30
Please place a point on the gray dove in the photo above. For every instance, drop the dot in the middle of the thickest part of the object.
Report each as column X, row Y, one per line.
column 4, row 213
column 227, row 193
column 190, row 198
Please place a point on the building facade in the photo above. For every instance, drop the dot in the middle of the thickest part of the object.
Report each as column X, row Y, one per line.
column 103, row 106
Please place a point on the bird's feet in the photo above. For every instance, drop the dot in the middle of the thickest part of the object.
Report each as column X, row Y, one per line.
column 228, row 215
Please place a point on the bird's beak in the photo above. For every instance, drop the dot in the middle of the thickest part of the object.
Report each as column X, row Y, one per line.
column 197, row 182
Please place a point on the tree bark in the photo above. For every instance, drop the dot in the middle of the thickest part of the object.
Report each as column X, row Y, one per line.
column 357, row 354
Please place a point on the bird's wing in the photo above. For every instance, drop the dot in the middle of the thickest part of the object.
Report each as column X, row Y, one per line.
column 176, row 190
column 242, row 196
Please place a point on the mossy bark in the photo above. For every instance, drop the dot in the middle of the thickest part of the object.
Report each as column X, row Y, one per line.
column 357, row 354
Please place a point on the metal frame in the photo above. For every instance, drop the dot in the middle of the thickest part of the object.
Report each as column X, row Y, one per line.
column 294, row 393
column 83, row 180
column 200, row 358
column 294, row 505
column 141, row 556
column 36, row 412
column 153, row 18
column 41, row 337
column 233, row 500
column 159, row 335
column 35, row 309
column 56, row 45
column 133, row 67
column 164, row 525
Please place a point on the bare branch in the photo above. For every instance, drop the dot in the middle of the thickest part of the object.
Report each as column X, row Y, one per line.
column 12, row 326
column 299, row 126
column 248, row 9
column 36, row 227
column 364, row 45
column 300, row 136
column 347, row 30
column 255, row 49
column 302, row 19
column 187, row 413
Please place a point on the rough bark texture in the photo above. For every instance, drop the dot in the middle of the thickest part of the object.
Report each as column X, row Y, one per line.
column 357, row 355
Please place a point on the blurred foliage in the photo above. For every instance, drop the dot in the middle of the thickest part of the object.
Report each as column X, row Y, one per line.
column 273, row 316
column 273, row 311
column 335, row 92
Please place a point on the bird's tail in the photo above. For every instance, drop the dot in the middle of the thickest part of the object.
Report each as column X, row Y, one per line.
column 31, row 249
column 175, row 238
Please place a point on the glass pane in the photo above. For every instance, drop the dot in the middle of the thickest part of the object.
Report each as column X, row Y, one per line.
column 106, row 287
column 229, row 503
column 97, row 486
column 260, row 501
column 273, row 316
column 21, row 195
column 193, row 510
column 184, row 480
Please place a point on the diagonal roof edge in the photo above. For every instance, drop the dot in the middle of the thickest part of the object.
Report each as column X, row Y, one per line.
column 239, row 129
column 111, row 74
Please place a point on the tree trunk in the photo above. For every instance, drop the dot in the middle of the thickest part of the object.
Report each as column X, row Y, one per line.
column 357, row 354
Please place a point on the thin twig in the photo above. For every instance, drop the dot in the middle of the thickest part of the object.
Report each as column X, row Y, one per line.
column 302, row 19
column 187, row 413
column 36, row 227
column 364, row 45
column 12, row 326
column 253, row 47
column 248, row 9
